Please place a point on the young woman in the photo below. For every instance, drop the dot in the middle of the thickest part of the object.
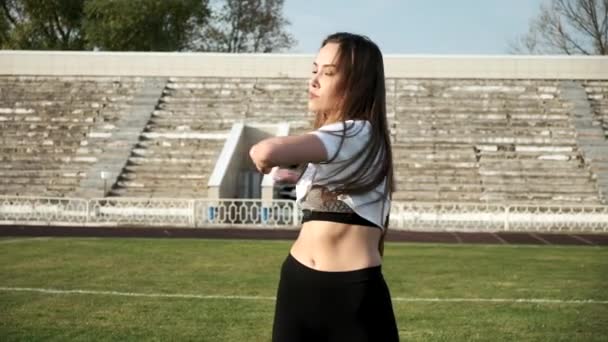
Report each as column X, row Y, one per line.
column 331, row 286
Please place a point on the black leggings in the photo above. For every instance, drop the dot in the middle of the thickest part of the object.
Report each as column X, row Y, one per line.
column 317, row 305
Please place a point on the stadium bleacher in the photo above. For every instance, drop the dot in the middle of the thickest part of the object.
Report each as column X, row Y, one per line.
column 187, row 130
column 453, row 139
column 54, row 128
column 495, row 138
column 597, row 94
column 487, row 141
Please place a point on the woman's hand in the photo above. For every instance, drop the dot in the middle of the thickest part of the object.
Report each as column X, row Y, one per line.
column 261, row 162
column 286, row 176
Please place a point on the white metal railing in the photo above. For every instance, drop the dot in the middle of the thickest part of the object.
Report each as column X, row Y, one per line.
column 44, row 210
column 201, row 213
column 119, row 211
column 498, row 217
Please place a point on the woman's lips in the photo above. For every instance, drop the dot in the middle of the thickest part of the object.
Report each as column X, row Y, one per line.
column 312, row 96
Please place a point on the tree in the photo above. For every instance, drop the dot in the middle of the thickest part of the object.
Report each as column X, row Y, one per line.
column 144, row 25
column 4, row 30
column 567, row 26
column 41, row 25
column 247, row 26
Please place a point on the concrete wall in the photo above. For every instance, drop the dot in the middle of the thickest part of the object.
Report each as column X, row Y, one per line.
column 223, row 182
column 286, row 65
column 234, row 160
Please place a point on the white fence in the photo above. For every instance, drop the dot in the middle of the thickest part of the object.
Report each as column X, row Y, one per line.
column 283, row 214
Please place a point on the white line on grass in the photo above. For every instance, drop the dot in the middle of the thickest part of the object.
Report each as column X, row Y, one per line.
column 3, row 241
column 397, row 299
column 504, row 300
column 132, row 294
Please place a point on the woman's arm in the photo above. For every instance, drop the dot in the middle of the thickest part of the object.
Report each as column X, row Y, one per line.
column 285, row 151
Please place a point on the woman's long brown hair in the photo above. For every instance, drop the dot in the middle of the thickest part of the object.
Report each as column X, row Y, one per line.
column 362, row 86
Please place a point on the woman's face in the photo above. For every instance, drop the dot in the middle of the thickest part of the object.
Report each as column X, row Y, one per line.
column 323, row 97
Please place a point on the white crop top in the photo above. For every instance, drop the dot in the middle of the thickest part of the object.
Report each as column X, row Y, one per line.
column 353, row 145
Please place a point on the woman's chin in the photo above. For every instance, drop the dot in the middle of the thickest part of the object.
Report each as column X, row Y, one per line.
column 314, row 107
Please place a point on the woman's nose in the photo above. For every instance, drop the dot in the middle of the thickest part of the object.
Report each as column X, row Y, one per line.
column 314, row 82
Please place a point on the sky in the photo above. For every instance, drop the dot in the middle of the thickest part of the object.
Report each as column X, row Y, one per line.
column 469, row 27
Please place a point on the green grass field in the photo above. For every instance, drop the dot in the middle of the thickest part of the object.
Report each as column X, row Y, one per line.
column 181, row 277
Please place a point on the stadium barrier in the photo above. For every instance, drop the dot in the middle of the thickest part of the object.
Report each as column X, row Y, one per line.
column 284, row 214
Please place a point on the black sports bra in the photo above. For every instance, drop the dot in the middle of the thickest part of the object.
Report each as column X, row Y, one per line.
column 332, row 209
column 341, row 217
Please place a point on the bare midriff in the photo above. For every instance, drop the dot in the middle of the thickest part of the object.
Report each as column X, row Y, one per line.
column 334, row 247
